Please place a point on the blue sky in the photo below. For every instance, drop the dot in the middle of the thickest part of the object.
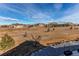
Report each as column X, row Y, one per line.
column 38, row 13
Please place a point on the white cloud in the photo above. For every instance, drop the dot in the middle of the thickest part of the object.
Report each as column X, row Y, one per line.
column 5, row 6
column 40, row 16
column 71, row 10
column 70, row 18
column 8, row 19
column 58, row 6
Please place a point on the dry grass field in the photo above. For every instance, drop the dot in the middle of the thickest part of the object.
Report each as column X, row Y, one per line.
column 40, row 34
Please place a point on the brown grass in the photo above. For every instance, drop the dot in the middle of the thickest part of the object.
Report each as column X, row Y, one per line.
column 58, row 35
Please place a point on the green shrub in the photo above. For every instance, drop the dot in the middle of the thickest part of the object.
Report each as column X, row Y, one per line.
column 6, row 42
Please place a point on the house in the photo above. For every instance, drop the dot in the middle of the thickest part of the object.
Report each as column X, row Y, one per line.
column 41, row 24
column 18, row 25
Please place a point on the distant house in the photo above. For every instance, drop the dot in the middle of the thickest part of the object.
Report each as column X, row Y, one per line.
column 41, row 24
column 18, row 25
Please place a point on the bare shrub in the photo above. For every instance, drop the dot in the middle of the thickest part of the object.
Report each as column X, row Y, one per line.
column 71, row 27
column 36, row 37
column 47, row 30
column 25, row 34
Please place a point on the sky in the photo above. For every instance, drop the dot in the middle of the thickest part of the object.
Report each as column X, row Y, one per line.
column 31, row 13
